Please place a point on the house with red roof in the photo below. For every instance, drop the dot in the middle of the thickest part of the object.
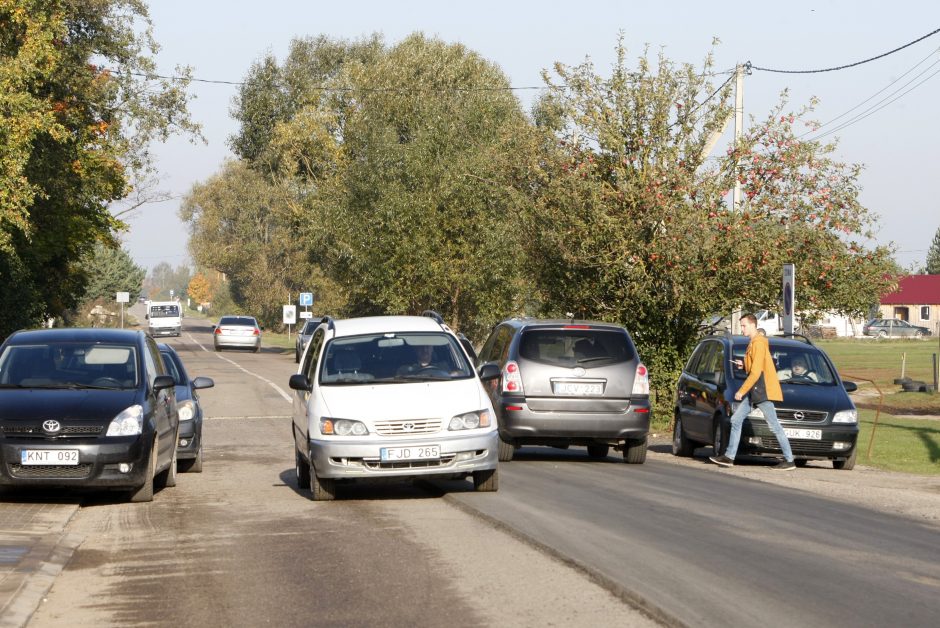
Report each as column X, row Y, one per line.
column 917, row 301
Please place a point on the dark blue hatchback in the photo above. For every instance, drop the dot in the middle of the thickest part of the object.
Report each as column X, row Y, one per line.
column 86, row 408
column 820, row 419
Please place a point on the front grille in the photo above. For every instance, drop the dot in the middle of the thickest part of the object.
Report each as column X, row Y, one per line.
column 50, row 471
column 408, row 427
column 36, row 431
column 798, row 445
column 808, row 416
column 378, row 465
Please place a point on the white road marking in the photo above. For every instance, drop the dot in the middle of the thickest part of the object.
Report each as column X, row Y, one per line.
column 279, row 390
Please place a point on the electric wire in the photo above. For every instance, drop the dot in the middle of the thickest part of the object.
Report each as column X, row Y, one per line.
column 848, row 65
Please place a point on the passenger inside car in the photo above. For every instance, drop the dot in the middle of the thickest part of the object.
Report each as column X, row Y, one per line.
column 798, row 370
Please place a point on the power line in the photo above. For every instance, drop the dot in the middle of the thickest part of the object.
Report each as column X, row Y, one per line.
column 849, row 65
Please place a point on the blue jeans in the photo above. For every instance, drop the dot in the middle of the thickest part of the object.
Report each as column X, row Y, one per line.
column 770, row 415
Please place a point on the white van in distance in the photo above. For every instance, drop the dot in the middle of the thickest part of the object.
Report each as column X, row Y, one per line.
column 165, row 318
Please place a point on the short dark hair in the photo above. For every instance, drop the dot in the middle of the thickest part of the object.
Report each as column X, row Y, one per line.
column 751, row 318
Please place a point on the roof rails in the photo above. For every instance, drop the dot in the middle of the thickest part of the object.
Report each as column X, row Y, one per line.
column 433, row 315
column 329, row 322
column 804, row 338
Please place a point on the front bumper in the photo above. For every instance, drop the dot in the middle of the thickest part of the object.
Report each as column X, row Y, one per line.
column 191, row 434
column 520, row 423
column 97, row 464
column 361, row 458
column 758, row 439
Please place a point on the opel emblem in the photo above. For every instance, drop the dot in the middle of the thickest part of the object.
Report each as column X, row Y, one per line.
column 408, row 427
column 51, row 426
column 579, row 372
column 799, row 416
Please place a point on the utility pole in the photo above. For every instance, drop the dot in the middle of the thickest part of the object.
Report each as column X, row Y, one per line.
column 736, row 194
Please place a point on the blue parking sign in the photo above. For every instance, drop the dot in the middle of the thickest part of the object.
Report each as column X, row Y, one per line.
column 306, row 298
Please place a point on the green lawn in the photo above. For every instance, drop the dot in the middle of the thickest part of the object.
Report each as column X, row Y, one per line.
column 908, row 445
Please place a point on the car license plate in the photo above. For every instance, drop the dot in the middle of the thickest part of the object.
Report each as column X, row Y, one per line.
column 802, row 434
column 578, row 389
column 405, row 454
column 49, row 456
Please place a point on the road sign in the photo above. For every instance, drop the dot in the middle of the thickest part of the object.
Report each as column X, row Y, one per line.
column 290, row 314
column 306, row 298
column 123, row 297
column 306, row 315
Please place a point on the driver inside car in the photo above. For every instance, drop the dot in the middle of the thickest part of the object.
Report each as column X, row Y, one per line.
column 424, row 356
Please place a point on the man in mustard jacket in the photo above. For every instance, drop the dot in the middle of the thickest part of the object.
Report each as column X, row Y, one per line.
column 760, row 389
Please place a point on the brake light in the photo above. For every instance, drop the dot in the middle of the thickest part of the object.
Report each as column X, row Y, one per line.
column 576, row 327
column 641, row 380
column 512, row 378
column 218, row 330
column 256, row 332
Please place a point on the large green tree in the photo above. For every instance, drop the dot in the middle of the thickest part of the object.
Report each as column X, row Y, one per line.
column 633, row 223
column 932, row 264
column 112, row 270
column 78, row 115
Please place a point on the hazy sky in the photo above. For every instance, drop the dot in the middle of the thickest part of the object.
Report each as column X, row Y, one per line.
column 897, row 144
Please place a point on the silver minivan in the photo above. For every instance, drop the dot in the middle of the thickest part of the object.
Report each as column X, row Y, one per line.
column 390, row 397
column 568, row 382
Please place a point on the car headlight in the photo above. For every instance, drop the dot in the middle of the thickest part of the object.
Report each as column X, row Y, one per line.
column 845, row 416
column 470, row 420
column 342, row 427
column 186, row 410
column 130, row 422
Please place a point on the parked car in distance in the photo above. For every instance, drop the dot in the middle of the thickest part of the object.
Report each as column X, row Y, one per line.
column 237, row 332
column 568, row 382
column 86, row 408
column 390, row 397
column 303, row 337
column 893, row 328
column 189, row 443
column 817, row 414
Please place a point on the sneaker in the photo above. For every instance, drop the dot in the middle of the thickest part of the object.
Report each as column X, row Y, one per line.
column 784, row 465
column 724, row 461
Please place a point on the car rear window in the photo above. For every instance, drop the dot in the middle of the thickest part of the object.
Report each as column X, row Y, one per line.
column 572, row 347
column 236, row 320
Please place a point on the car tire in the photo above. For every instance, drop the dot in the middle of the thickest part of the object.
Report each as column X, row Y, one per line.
column 321, row 489
column 257, row 349
column 719, row 438
column 302, row 470
column 296, row 357
column 218, row 348
column 901, row 380
column 598, row 450
column 882, row 334
column 681, row 446
column 506, row 450
column 913, row 386
column 919, row 334
column 800, row 462
column 486, row 481
column 145, row 492
column 848, row 464
column 634, row 451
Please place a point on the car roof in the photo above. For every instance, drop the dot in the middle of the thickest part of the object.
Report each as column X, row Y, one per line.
column 75, row 334
column 559, row 322
column 775, row 341
column 380, row 324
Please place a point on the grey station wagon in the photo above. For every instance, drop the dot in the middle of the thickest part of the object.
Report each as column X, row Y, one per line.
column 567, row 382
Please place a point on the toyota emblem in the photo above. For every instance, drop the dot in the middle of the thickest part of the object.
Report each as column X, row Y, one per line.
column 51, row 426
column 579, row 372
column 799, row 416
column 408, row 427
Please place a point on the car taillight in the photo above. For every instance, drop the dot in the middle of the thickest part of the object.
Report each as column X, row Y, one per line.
column 641, row 381
column 218, row 330
column 512, row 378
column 256, row 332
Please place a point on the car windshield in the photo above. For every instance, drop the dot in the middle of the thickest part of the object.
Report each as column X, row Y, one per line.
column 69, row 365
column 393, row 358
column 795, row 365
column 309, row 328
column 164, row 311
column 575, row 346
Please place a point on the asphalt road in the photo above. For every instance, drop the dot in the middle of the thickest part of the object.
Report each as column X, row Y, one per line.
column 565, row 541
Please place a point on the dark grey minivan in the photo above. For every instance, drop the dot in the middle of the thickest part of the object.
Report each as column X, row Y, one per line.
column 567, row 382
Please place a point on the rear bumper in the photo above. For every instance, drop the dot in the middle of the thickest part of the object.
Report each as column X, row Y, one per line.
column 520, row 424
column 238, row 342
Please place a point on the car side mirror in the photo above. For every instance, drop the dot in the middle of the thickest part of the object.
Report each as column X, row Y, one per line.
column 299, row 381
column 489, row 371
column 203, row 382
column 146, row 316
column 850, row 386
column 162, row 382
